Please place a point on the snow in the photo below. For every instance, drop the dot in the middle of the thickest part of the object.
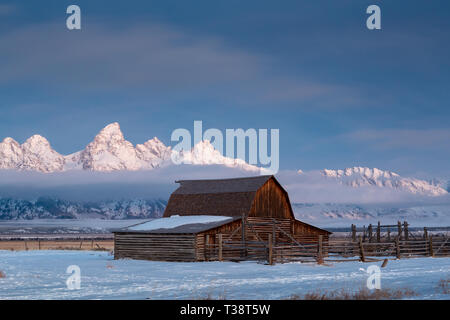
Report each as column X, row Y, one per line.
column 109, row 151
column 34, row 154
column 176, row 221
column 204, row 153
column 42, row 275
column 362, row 176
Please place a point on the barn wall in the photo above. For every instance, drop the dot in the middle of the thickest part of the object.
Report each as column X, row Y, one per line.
column 256, row 229
column 160, row 247
column 271, row 201
column 305, row 233
column 303, row 228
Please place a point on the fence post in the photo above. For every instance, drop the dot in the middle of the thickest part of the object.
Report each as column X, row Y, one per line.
column 379, row 232
column 39, row 244
column 425, row 233
column 399, row 230
column 389, row 234
column 397, row 247
column 370, row 232
column 364, row 234
column 243, row 238
column 220, row 247
column 270, row 259
column 320, row 250
column 431, row 247
column 361, row 250
column 405, row 230
column 353, row 232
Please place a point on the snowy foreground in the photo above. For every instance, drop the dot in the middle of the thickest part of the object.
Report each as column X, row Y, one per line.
column 42, row 275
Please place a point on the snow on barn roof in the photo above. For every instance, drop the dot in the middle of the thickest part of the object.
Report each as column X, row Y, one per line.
column 179, row 224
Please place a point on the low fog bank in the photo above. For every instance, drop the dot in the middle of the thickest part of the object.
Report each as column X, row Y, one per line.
column 100, row 186
column 78, row 185
column 311, row 187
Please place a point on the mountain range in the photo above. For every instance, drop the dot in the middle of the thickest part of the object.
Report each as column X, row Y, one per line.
column 51, row 208
column 109, row 151
column 326, row 196
column 361, row 176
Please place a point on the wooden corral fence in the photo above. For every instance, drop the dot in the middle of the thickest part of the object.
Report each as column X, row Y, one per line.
column 270, row 248
column 23, row 244
column 433, row 246
column 388, row 233
column 322, row 251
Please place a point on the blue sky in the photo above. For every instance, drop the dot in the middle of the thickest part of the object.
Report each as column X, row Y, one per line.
column 340, row 94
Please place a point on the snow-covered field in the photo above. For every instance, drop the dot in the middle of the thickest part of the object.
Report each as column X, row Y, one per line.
column 42, row 275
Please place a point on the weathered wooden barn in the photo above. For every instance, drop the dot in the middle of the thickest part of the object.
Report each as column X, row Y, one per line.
column 218, row 219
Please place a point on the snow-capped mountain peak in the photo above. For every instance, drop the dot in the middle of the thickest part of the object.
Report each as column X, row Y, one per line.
column 9, row 140
column 39, row 155
column 204, row 153
column 363, row 176
column 34, row 154
column 11, row 154
column 109, row 151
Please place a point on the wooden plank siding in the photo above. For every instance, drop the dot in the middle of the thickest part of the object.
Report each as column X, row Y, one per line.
column 271, row 201
column 160, row 247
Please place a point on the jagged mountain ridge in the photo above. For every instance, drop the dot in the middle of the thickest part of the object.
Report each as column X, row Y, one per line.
column 362, row 176
column 34, row 154
column 50, row 208
column 109, row 151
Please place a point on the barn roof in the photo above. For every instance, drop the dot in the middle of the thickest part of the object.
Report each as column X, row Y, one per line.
column 248, row 184
column 222, row 197
column 178, row 224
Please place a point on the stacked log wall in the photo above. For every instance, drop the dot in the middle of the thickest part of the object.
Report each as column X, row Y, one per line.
column 159, row 247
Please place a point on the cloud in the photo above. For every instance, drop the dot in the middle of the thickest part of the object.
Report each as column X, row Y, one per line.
column 312, row 187
column 85, row 186
column 415, row 139
column 155, row 59
column 88, row 186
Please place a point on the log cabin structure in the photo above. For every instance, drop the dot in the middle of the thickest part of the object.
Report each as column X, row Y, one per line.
column 229, row 219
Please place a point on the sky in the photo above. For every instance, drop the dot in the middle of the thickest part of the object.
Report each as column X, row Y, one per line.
column 340, row 94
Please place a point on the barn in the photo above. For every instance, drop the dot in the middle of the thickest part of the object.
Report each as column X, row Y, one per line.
column 220, row 219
